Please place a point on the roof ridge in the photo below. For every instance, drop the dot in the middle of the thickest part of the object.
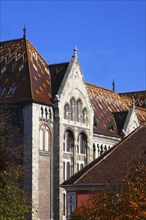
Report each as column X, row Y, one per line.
column 53, row 64
column 90, row 84
column 6, row 41
column 140, row 91
column 29, row 71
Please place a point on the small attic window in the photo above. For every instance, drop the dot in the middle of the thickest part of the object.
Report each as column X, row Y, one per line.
column 2, row 91
column 110, row 127
column 11, row 91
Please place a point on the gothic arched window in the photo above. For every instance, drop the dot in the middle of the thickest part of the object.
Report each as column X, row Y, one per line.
column 72, row 109
column 69, row 141
column 83, row 143
column 44, row 138
column 84, row 115
column 78, row 110
column 66, row 111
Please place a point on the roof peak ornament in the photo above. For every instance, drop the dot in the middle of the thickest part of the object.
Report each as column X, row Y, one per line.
column 113, row 84
column 24, row 32
column 133, row 102
column 75, row 51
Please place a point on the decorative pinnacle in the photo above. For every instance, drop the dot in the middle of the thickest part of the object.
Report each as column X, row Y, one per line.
column 75, row 51
column 113, row 84
column 133, row 102
column 24, row 32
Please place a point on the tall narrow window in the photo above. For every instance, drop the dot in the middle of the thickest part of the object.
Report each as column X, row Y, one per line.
column 66, row 111
column 94, row 151
column 83, row 143
column 64, row 203
column 44, row 138
column 68, row 170
column 78, row 110
column 85, row 115
column 41, row 139
column 69, row 141
column 71, row 203
column 64, row 171
column 72, row 109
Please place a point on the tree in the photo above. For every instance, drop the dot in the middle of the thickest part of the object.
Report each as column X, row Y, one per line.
column 13, row 201
column 126, row 201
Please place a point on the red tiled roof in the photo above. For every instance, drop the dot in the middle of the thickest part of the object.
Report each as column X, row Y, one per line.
column 138, row 96
column 113, row 164
column 104, row 103
column 25, row 71
column 141, row 114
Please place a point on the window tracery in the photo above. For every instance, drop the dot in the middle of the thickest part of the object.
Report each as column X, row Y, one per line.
column 44, row 138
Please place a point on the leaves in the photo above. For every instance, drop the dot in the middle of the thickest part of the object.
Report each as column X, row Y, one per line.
column 126, row 201
column 13, row 201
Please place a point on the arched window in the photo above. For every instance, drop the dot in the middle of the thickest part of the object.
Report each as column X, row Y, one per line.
column 84, row 115
column 78, row 110
column 44, row 138
column 69, row 141
column 66, row 111
column 68, row 170
column 41, row 139
column 72, row 109
column 83, row 143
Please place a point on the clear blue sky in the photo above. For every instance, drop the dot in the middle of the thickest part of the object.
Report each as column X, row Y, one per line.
column 110, row 36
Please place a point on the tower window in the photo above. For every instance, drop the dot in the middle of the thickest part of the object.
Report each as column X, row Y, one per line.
column 44, row 138
column 2, row 91
column 11, row 91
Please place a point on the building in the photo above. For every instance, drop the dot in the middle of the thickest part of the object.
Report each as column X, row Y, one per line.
column 110, row 168
column 66, row 122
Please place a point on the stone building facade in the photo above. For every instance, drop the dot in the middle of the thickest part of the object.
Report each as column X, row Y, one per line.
column 66, row 122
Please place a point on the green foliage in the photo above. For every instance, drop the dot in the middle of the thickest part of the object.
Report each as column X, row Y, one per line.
column 13, row 202
column 126, row 201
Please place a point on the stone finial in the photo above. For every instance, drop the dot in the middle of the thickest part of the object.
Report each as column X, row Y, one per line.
column 133, row 102
column 75, row 52
column 24, row 32
column 113, row 84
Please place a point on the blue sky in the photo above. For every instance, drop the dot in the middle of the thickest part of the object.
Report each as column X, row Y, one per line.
column 110, row 36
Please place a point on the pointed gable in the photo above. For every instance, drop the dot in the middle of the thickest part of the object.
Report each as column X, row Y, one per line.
column 24, row 74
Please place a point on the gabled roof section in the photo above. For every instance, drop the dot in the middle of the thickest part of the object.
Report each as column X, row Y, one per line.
column 57, row 72
column 113, row 164
column 24, row 73
column 138, row 96
column 104, row 103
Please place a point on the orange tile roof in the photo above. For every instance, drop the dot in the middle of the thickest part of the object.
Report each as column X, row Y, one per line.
column 23, row 72
column 105, row 102
column 138, row 96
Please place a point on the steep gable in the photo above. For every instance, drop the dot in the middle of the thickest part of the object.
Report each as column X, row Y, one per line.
column 24, row 73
